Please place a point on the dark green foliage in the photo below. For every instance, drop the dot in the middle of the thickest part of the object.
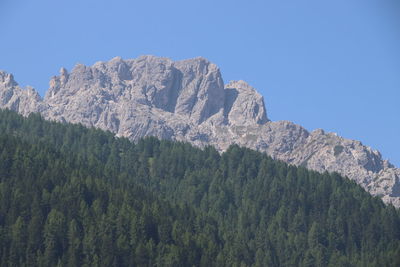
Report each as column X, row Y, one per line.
column 72, row 196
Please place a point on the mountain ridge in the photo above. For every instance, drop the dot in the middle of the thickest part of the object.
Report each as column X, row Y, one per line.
column 187, row 100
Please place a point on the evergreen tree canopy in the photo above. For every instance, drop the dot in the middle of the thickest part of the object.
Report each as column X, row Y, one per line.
column 72, row 196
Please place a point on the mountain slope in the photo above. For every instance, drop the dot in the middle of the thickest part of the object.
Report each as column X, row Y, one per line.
column 81, row 197
column 188, row 101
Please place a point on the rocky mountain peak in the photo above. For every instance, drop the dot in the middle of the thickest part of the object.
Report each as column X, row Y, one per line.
column 243, row 104
column 16, row 98
column 7, row 79
column 187, row 100
column 63, row 75
column 201, row 89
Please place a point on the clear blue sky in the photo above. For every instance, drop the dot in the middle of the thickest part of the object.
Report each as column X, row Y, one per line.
column 322, row 64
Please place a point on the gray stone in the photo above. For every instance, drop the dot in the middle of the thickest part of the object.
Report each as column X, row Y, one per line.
column 13, row 97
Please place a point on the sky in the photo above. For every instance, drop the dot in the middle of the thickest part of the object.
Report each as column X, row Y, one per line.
column 333, row 65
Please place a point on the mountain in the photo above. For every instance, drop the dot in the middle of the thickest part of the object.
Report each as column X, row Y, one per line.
column 74, row 196
column 188, row 101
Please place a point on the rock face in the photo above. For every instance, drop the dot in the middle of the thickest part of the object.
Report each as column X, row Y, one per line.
column 13, row 97
column 188, row 101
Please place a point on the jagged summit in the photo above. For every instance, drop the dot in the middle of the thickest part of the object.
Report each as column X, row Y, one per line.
column 244, row 105
column 187, row 100
column 7, row 79
column 191, row 88
column 13, row 97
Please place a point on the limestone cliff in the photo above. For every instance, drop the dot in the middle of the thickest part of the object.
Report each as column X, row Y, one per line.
column 188, row 101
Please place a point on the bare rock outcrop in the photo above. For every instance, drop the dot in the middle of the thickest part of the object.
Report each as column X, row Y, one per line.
column 23, row 101
column 188, row 101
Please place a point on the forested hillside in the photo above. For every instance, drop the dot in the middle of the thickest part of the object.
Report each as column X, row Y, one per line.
column 72, row 196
